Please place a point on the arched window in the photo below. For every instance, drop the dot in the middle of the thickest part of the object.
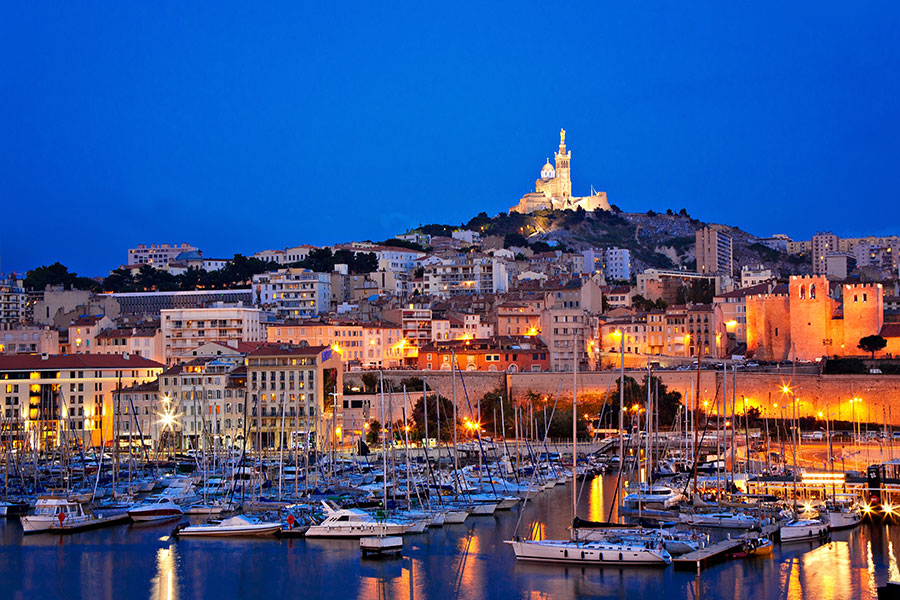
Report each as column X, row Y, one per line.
column 802, row 292
column 812, row 292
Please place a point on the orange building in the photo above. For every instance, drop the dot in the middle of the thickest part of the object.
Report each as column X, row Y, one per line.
column 808, row 319
column 502, row 353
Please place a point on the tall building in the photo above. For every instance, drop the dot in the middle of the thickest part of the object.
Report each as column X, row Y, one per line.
column 823, row 244
column 13, row 300
column 291, row 394
column 618, row 264
column 553, row 190
column 467, row 275
column 293, row 292
column 714, row 252
column 185, row 330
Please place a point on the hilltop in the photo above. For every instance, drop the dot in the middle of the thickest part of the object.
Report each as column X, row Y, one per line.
column 660, row 240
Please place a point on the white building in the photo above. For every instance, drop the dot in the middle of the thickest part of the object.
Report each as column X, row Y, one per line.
column 751, row 276
column 617, row 264
column 157, row 254
column 185, row 330
column 293, row 292
column 467, row 275
column 287, row 256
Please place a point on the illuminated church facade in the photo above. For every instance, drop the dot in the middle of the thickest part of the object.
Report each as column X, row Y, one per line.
column 553, row 190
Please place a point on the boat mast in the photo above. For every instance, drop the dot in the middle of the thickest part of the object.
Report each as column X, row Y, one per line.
column 383, row 451
column 575, row 431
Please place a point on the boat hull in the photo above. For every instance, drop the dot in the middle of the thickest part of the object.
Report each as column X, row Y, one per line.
column 586, row 554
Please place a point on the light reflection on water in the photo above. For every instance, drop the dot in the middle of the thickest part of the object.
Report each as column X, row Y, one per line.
column 468, row 561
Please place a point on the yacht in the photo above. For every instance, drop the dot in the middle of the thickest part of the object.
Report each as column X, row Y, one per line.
column 842, row 512
column 51, row 512
column 600, row 552
column 353, row 523
column 653, row 497
column 726, row 520
column 238, row 525
column 803, row 529
column 159, row 509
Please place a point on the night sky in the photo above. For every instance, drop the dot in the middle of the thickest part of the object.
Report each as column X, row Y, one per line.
column 238, row 127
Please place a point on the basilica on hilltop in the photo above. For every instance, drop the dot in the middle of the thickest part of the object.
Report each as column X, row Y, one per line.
column 553, row 191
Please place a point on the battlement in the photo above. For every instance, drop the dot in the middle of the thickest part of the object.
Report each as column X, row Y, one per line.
column 809, row 277
column 863, row 286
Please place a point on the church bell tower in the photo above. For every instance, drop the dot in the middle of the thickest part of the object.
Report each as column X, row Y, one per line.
column 563, row 174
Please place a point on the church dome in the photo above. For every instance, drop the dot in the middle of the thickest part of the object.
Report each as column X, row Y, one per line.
column 548, row 172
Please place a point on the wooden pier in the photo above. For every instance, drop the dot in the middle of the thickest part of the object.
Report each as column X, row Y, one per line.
column 706, row 556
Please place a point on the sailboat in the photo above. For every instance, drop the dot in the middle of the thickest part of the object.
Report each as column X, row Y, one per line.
column 607, row 551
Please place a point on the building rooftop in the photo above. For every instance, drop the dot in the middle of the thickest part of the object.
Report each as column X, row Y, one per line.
column 37, row 362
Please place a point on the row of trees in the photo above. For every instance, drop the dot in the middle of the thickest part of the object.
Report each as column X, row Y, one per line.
column 238, row 272
column 557, row 423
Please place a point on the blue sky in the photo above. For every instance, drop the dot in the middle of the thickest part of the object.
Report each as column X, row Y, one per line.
column 239, row 128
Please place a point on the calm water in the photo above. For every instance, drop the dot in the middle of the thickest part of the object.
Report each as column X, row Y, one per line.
column 459, row 561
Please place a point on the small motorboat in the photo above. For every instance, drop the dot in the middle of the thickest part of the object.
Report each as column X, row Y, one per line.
column 51, row 512
column 161, row 509
column 236, row 526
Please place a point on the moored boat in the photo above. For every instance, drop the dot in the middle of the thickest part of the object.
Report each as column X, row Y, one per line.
column 236, row 526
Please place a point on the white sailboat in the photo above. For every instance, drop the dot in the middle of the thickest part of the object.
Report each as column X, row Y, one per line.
column 592, row 552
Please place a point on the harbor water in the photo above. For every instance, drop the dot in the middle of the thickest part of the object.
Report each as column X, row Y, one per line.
column 469, row 561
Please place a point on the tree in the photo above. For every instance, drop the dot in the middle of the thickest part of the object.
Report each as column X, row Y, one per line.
column 395, row 243
column 373, row 435
column 872, row 343
column 514, row 239
column 57, row 274
column 370, row 382
column 446, row 413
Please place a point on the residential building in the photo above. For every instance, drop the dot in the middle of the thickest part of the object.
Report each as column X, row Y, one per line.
column 66, row 397
column 25, row 339
column 83, row 332
column 139, row 341
column 518, row 318
column 468, row 274
column 502, row 353
column 617, row 264
column 839, row 265
column 13, row 300
column 184, row 330
column 207, row 395
column 293, row 293
column 753, row 276
column 157, row 254
column 714, row 252
column 822, row 244
column 291, row 393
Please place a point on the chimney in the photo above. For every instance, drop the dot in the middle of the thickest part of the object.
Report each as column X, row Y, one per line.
column 126, row 356
column 44, row 356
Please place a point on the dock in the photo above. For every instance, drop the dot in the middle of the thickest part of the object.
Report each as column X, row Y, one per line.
column 704, row 557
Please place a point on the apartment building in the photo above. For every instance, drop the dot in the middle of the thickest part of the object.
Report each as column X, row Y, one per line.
column 714, row 252
column 292, row 390
column 13, row 301
column 62, row 398
column 467, row 275
column 139, row 341
column 185, row 330
column 157, row 254
column 293, row 292
column 24, row 339
column 822, row 244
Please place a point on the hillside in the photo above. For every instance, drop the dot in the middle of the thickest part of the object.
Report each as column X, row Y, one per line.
column 655, row 240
